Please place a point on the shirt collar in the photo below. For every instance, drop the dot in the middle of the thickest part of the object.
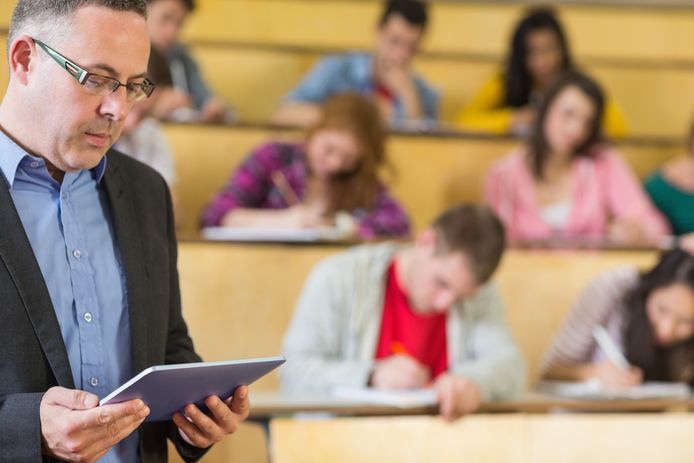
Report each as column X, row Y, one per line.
column 11, row 155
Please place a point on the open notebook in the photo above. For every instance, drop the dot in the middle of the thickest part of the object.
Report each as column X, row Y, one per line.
column 593, row 390
column 251, row 234
column 410, row 398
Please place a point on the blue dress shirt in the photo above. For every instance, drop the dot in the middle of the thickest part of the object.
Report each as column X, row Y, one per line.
column 71, row 233
column 353, row 72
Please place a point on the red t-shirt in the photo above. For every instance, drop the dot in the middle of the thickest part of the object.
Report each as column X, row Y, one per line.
column 384, row 92
column 405, row 331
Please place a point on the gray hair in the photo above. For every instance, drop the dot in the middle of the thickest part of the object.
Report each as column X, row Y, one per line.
column 37, row 16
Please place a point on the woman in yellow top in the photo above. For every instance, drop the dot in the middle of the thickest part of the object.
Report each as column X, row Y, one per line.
column 508, row 102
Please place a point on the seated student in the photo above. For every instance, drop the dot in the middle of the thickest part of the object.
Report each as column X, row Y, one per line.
column 672, row 189
column 142, row 137
column 400, row 317
column 508, row 102
column 386, row 73
column 649, row 316
column 305, row 185
column 564, row 184
column 194, row 99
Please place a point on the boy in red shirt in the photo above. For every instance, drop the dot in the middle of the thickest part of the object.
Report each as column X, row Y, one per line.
column 405, row 317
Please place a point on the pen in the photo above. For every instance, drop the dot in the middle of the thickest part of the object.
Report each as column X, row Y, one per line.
column 610, row 349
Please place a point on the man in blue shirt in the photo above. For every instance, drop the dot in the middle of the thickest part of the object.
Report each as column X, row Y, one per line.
column 386, row 73
column 88, row 278
column 166, row 19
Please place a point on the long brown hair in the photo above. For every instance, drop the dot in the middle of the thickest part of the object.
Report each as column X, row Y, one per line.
column 538, row 147
column 357, row 115
column 674, row 363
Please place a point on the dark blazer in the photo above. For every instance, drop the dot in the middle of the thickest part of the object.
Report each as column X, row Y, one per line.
column 33, row 357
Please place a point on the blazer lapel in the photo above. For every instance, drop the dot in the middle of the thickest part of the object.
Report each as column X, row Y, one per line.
column 134, row 267
column 21, row 263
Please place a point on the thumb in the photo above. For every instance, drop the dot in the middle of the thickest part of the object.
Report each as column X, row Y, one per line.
column 72, row 398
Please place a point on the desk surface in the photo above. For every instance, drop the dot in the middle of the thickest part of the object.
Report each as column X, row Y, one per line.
column 272, row 404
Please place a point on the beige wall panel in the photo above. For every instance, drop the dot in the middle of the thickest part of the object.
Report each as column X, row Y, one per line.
column 503, row 438
column 486, row 439
column 644, row 33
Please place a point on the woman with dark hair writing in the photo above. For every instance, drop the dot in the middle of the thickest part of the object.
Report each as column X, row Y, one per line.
column 649, row 317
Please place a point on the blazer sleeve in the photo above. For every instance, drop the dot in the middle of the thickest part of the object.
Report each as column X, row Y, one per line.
column 20, row 428
column 179, row 345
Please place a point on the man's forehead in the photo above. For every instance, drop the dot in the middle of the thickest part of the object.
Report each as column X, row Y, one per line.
column 107, row 39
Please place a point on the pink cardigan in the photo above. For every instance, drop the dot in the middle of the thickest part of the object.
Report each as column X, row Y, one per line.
column 603, row 188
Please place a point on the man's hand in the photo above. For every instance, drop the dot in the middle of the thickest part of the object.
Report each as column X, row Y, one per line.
column 457, row 396
column 201, row 430
column 400, row 81
column 399, row 372
column 214, row 110
column 75, row 428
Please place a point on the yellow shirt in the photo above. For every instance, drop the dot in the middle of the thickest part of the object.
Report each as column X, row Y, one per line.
column 485, row 112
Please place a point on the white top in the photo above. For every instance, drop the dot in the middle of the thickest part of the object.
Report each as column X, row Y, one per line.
column 147, row 144
column 556, row 215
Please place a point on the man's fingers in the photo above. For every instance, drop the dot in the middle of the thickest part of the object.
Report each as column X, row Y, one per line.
column 112, row 433
column 107, row 414
column 71, row 398
column 204, row 423
column 222, row 414
column 191, row 431
column 240, row 402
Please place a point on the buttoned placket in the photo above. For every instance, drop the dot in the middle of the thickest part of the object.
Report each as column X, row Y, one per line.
column 86, row 308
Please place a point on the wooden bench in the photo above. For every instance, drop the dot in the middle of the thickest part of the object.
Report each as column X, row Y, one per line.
column 433, row 172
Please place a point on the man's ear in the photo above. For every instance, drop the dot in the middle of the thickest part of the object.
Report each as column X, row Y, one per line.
column 21, row 58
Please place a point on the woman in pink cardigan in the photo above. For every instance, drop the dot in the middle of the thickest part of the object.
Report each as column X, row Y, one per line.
column 564, row 184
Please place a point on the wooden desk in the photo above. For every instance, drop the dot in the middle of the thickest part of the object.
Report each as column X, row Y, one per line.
column 267, row 404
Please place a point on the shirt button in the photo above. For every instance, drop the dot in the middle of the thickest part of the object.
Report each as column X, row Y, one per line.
column 34, row 164
column 77, row 253
column 87, row 317
column 94, row 381
column 64, row 196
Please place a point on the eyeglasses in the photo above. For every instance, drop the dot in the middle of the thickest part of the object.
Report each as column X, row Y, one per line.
column 97, row 84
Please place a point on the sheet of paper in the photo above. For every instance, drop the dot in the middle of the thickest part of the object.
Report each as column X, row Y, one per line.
column 593, row 390
column 400, row 398
column 271, row 234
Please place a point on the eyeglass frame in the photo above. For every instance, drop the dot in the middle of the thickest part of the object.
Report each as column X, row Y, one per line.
column 81, row 75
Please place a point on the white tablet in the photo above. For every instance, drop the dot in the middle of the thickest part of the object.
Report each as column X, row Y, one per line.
column 167, row 389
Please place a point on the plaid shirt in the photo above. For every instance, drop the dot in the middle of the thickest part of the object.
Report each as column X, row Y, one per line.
column 251, row 186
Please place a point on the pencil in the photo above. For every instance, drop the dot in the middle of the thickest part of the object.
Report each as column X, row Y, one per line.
column 280, row 181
